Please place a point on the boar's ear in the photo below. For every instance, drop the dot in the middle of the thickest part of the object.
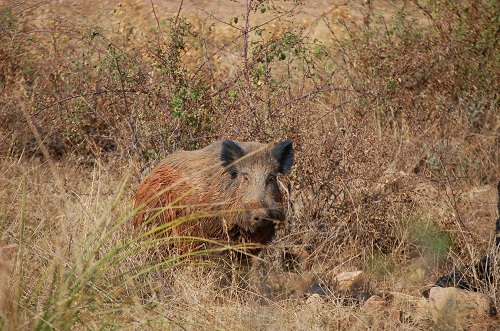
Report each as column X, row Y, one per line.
column 283, row 152
column 230, row 152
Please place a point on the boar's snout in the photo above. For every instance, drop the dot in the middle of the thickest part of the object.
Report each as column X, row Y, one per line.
column 260, row 214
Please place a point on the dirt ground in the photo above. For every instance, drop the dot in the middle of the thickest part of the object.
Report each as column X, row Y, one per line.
column 318, row 18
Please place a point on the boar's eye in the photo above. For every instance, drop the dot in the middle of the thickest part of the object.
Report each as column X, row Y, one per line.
column 271, row 178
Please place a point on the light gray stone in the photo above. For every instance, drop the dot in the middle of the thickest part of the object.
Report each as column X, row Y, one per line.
column 456, row 309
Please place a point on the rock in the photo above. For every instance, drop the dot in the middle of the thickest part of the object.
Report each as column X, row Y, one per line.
column 457, row 309
column 345, row 280
column 374, row 303
column 315, row 300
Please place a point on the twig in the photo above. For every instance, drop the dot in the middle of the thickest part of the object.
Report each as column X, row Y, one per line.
column 245, row 56
column 178, row 12
column 46, row 154
column 160, row 33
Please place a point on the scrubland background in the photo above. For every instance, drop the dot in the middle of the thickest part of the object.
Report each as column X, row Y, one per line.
column 393, row 107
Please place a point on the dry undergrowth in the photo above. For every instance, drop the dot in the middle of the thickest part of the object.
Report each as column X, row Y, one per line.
column 395, row 119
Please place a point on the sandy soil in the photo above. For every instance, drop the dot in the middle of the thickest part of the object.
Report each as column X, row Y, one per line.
column 318, row 17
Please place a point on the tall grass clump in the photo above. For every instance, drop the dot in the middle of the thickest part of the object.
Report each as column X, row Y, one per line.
column 79, row 264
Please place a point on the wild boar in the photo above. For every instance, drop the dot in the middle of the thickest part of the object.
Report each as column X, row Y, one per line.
column 227, row 191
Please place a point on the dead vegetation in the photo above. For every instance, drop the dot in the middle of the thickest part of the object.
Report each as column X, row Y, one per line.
column 393, row 108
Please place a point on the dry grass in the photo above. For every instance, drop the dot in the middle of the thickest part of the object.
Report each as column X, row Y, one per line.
column 70, row 270
column 396, row 127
